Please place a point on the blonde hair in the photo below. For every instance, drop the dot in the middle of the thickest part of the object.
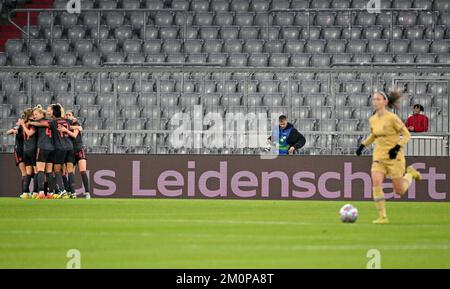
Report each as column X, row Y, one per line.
column 40, row 110
column 26, row 114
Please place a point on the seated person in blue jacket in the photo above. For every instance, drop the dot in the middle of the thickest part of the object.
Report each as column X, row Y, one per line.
column 286, row 138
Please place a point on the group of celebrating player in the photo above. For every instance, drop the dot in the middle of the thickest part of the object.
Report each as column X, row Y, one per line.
column 48, row 147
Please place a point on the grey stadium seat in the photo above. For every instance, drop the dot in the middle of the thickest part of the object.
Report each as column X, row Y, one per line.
column 91, row 59
column 114, row 19
column 294, row 46
column 229, row 32
column 253, row 46
column 356, row 46
column 333, row 32
column 89, row 111
column 244, row 18
column 101, row 33
column 168, row 32
column 76, row 32
column 217, row 58
column 258, row 59
column 85, row 98
column 171, row 46
column 274, row 46
column 279, row 60
column 399, row 46
column 223, row 19
column 365, row 18
column 130, row 111
column 123, row 33
column 127, row 99
column 83, row 46
column 237, row 59
column 249, row 32
column 315, row 100
column 114, row 57
column 213, row 46
column 372, row 32
column 37, row 46
column 152, row 46
column 132, row 46
column 320, row 60
column 13, row 46
column 335, row 46
column 20, row 59
column 66, row 59
column 315, row 46
column 2, row 59
column 193, row 46
column 82, row 85
column 42, row 98
column 415, row 32
column 378, row 46
column 420, row 46
column 300, row 60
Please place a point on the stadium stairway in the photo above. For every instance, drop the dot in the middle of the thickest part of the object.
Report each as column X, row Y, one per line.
column 11, row 32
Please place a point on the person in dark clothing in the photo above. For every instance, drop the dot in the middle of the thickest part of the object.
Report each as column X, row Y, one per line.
column 18, row 153
column 29, row 152
column 286, row 138
column 45, row 150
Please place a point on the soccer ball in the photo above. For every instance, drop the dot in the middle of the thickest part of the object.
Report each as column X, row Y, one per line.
column 348, row 214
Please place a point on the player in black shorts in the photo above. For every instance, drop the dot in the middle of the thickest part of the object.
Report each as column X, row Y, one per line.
column 18, row 153
column 79, row 151
column 29, row 151
column 45, row 151
column 64, row 154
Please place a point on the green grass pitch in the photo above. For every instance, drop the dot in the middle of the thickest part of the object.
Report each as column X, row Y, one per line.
column 170, row 233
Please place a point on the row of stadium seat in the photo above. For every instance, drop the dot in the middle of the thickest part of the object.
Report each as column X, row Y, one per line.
column 41, row 87
column 253, row 5
column 122, row 33
column 93, row 59
column 288, row 18
column 174, row 46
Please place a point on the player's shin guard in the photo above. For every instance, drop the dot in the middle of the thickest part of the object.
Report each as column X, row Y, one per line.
column 40, row 180
column 378, row 197
column 26, row 184
column 35, row 183
column 59, row 181
column 85, row 179
column 66, row 183
column 51, row 182
column 71, row 181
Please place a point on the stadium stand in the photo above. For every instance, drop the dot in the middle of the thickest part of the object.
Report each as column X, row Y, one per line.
column 235, row 33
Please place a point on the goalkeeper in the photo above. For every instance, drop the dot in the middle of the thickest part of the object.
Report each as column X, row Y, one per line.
column 287, row 139
column 389, row 134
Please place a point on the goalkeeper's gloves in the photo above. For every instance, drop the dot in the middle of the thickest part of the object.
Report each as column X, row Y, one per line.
column 359, row 150
column 393, row 152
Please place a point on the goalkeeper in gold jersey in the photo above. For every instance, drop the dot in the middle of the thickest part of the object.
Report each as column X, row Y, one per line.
column 389, row 134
